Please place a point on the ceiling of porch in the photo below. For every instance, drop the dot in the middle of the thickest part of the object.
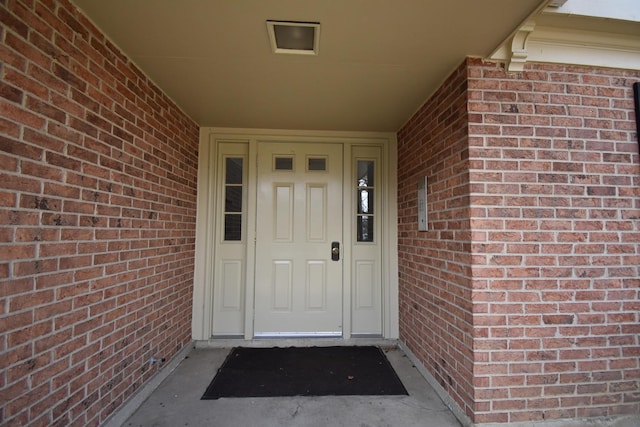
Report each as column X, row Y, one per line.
column 378, row 60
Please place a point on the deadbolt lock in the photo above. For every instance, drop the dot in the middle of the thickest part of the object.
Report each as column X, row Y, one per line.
column 335, row 251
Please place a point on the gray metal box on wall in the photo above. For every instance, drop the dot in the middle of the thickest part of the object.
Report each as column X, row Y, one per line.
column 423, row 219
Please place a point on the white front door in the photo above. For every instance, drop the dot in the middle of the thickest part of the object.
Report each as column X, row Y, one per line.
column 299, row 224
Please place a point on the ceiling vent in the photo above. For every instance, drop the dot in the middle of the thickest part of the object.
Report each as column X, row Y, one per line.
column 300, row 38
column 557, row 3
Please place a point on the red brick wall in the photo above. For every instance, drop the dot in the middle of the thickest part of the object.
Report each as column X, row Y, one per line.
column 551, row 197
column 556, row 242
column 97, row 220
column 435, row 266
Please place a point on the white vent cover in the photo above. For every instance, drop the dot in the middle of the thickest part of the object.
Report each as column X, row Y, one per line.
column 557, row 3
column 300, row 38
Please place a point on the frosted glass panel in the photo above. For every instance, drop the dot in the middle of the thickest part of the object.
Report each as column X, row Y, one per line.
column 317, row 164
column 233, row 199
column 233, row 170
column 365, row 201
column 365, row 228
column 233, row 227
column 365, row 173
column 365, row 205
column 233, row 193
column 284, row 163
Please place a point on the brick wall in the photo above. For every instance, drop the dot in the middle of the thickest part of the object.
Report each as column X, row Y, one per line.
column 97, row 219
column 553, row 207
column 435, row 266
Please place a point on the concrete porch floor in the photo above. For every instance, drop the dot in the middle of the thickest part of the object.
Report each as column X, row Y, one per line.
column 176, row 402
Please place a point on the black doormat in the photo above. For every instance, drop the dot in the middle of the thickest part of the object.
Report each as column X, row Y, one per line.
column 305, row 371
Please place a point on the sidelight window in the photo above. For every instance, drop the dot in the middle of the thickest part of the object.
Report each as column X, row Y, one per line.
column 233, row 191
column 365, row 201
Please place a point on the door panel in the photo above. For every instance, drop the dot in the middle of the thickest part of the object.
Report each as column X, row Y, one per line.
column 283, row 212
column 298, row 288
column 317, row 215
column 366, row 267
column 231, row 284
column 281, row 285
column 230, row 241
column 316, row 292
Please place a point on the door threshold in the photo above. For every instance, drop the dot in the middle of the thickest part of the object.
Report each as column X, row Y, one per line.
column 298, row 335
column 217, row 342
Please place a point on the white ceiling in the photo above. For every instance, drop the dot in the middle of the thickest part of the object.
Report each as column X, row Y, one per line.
column 378, row 61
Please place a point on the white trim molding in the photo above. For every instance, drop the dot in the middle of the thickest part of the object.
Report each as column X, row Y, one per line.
column 519, row 52
column 204, row 278
column 555, row 38
column 558, row 45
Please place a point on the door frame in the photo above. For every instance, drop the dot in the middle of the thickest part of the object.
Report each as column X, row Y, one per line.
column 205, row 222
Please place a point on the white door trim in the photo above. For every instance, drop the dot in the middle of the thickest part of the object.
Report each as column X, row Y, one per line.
column 204, row 250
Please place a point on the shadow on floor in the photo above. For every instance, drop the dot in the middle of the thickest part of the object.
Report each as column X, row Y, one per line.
column 176, row 402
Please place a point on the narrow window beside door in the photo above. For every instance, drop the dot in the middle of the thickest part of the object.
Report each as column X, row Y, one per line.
column 233, row 188
column 365, row 188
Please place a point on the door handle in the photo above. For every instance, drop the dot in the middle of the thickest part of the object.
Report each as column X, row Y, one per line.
column 335, row 251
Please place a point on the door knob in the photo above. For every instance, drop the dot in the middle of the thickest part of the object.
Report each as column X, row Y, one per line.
column 335, row 251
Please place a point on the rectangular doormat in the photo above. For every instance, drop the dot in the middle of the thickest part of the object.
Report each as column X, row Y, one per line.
column 305, row 371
